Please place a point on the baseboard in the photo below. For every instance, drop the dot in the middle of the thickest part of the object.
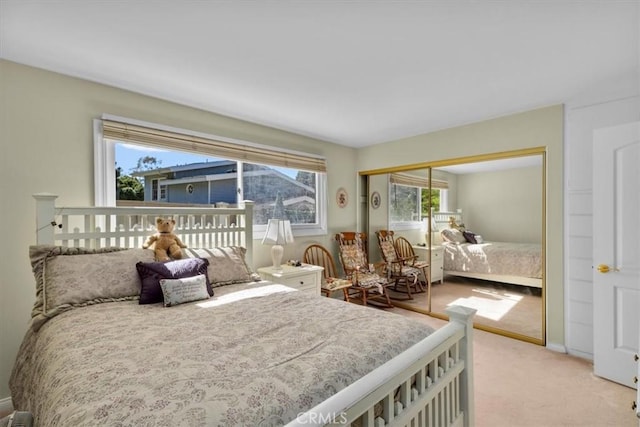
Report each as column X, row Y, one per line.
column 560, row 348
column 581, row 354
column 6, row 406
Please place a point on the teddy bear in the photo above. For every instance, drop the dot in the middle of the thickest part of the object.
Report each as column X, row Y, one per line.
column 454, row 224
column 167, row 245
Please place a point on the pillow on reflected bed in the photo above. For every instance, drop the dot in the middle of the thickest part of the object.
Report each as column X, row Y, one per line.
column 77, row 277
column 453, row 235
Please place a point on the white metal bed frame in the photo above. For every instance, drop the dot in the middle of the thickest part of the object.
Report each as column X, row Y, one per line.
column 442, row 221
column 430, row 384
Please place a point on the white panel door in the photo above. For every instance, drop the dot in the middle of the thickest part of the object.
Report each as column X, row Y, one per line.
column 616, row 254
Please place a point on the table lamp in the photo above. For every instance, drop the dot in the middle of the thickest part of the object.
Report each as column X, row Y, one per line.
column 278, row 233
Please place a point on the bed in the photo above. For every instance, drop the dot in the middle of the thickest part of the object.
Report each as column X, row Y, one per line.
column 504, row 262
column 253, row 353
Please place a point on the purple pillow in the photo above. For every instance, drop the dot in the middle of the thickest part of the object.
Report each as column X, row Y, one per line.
column 152, row 272
column 469, row 236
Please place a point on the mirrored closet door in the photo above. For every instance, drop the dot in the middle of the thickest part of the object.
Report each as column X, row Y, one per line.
column 479, row 224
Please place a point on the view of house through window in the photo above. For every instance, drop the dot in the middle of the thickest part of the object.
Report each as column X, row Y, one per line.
column 148, row 175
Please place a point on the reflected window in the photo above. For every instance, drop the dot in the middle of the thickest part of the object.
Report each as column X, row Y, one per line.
column 409, row 203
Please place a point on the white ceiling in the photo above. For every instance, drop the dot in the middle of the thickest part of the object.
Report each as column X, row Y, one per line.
column 352, row 72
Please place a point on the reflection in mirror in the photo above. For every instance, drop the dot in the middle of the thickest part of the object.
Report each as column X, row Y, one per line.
column 490, row 257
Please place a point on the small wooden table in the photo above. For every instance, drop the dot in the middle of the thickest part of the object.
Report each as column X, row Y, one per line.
column 333, row 284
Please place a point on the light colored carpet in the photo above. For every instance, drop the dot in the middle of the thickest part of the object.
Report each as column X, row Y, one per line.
column 510, row 308
column 519, row 384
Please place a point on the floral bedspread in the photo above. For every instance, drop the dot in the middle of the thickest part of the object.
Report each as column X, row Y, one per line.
column 516, row 259
column 253, row 355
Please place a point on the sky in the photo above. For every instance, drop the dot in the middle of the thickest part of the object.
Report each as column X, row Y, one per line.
column 127, row 156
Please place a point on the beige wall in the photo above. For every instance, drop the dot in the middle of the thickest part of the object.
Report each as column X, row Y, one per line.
column 537, row 128
column 47, row 146
column 503, row 206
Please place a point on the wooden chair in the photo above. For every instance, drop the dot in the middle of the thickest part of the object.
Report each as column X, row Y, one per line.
column 319, row 255
column 405, row 277
column 406, row 252
column 368, row 286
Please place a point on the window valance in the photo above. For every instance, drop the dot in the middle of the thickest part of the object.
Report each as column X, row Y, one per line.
column 417, row 181
column 247, row 152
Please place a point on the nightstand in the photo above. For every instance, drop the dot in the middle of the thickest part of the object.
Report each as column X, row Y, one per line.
column 307, row 278
column 437, row 260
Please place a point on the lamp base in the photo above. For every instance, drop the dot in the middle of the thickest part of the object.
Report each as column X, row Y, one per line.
column 276, row 256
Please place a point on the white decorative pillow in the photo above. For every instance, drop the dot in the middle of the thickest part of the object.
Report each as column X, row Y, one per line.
column 227, row 264
column 453, row 235
column 187, row 289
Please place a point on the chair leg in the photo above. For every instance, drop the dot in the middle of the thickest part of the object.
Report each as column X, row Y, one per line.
column 419, row 285
column 386, row 294
column 346, row 294
column 407, row 285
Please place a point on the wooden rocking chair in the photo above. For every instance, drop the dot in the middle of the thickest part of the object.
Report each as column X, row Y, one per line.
column 406, row 252
column 402, row 271
column 319, row 255
column 369, row 286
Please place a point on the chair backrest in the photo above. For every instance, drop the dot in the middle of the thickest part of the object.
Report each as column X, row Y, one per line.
column 353, row 251
column 404, row 248
column 319, row 255
column 387, row 246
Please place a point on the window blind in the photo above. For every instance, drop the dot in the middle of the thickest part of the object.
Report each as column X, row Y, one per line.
column 417, row 181
column 127, row 132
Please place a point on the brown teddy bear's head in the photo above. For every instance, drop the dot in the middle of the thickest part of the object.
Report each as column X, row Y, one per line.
column 165, row 225
column 454, row 224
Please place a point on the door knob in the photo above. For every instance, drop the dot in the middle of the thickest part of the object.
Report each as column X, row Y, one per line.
column 604, row 268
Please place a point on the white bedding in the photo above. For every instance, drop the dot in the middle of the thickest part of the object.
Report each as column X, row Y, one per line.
column 495, row 258
column 255, row 354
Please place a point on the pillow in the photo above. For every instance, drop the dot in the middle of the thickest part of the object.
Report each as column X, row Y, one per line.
column 152, row 272
column 388, row 250
column 453, row 235
column 227, row 265
column 76, row 277
column 179, row 291
column 353, row 257
column 469, row 237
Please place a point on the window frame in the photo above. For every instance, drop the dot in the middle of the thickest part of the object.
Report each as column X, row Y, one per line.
column 412, row 225
column 406, row 225
column 105, row 177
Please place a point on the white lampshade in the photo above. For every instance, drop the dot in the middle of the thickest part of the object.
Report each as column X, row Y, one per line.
column 278, row 233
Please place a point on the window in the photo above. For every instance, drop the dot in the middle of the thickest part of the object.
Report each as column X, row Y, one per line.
column 409, row 199
column 154, row 187
column 404, row 203
column 153, row 165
